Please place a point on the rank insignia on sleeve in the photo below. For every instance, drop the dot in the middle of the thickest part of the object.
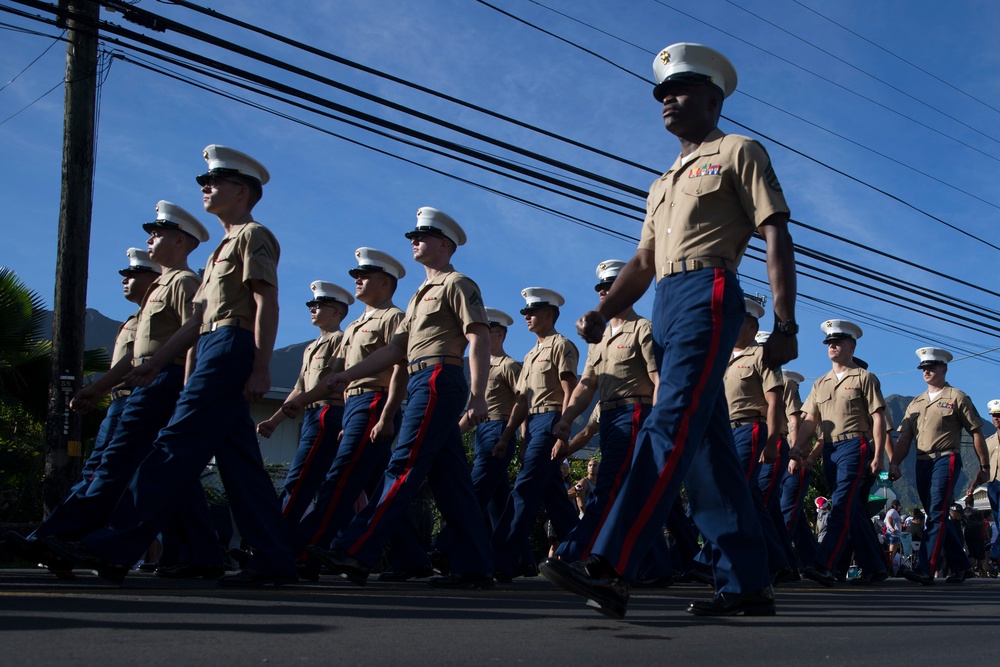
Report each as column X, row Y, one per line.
column 771, row 178
column 475, row 299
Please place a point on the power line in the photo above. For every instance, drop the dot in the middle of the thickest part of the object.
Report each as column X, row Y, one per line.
column 772, row 139
column 238, row 72
column 31, row 104
column 858, row 69
column 897, row 56
column 831, row 82
column 55, row 41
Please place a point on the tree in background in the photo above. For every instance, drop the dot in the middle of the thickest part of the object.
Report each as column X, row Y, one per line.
column 25, row 363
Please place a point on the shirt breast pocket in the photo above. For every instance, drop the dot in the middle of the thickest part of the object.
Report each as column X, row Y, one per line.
column 702, row 185
column 225, row 266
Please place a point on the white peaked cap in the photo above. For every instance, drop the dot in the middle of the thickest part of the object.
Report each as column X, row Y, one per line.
column 540, row 296
column 370, row 259
column 499, row 317
column 794, row 376
column 693, row 63
column 933, row 355
column 324, row 291
column 762, row 337
column 994, row 406
column 607, row 271
column 172, row 216
column 432, row 221
column 138, row 260
column 754, row 307
column 834, row 329
column 223, row 160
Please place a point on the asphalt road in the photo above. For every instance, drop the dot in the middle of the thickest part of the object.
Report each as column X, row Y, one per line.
column 44, row 621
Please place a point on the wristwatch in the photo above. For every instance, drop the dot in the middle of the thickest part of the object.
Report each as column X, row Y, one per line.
column 788, row 327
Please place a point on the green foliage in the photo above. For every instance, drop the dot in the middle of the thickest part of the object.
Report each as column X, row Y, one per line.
column 21, row 465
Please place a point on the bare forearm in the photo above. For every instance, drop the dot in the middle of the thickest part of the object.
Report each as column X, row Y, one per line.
column 982, row 451
column 265, row 326
column 479, row 360
column 780, row 266
column 397, row 390
column 581, row 397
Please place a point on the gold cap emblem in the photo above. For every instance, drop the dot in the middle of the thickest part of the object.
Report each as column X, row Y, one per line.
column 664, row 56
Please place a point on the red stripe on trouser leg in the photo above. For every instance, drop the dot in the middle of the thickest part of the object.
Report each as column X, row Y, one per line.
column 674, row 457
column 772, row 482
column 342, row 482
column 845, row 530
column 307, row 464
column 939, row 540
column 754, row 449
column 388, row 496
column 619, row 478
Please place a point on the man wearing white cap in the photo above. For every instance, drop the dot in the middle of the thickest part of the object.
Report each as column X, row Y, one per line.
column 754, row 394
column 371, row 419
column 847, row 405
column 621, row 369
column 445, row 316
column 234, row 325
column 936, row 419
column 795, row 484
column 190, row 543
column 547, row 379
column 321, row 422
column 700, row 216
column 136, row 279
column 993, row 478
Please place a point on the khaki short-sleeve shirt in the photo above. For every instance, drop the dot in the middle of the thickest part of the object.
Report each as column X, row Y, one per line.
column 793, row 404
column 501, row 388
column 168, row 304
column 539, row 381
column 622, row 361
column 316, row 362
column 124, row 341
column 439, row 315
column 247, row 252
column 993, row 446
column 710, row 203
column 937, row 424
column 370, row 332
column 747, row 379
column 845, row 405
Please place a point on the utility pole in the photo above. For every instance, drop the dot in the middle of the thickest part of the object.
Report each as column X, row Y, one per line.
column 63, row 449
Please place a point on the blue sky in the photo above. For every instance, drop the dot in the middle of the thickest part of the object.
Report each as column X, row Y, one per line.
column 328, row 196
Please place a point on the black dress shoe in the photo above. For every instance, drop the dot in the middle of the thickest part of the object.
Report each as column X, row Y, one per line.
column 406, row 575
column 462, row 581
column 153, row 566
column 241, row 557
column 190, row 572
column 526, row 570
column 254, row 579
column 760, row 603
column 785, row 575
column 33, row 551
column 869, row 578
column 502, row 577
column 700, row 576
column 80, row 556
column 654, row 582
column 919, row 577
column 350, row 568
column 819, row 575
column 594, row 579
column 307, row 571
column 961, row 577
column 440, row 562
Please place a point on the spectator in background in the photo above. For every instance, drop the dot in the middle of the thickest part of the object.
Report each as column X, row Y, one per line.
column 975, row 536
column 822, row 516
column 893, row 529
column 581, row 491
